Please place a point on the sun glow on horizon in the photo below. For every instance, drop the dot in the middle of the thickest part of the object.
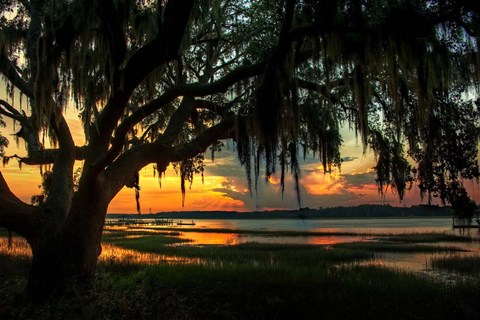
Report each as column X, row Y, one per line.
column 225, row 186
column 164, row 194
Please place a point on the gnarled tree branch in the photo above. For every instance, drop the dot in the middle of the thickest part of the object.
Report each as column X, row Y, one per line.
column 126, row 165
column 47, row 156
column 194, row 90
column 16, row 215
column 164, row 48
column 10, row 72
column 222, row 130
column 11, row 112
column 177, row 121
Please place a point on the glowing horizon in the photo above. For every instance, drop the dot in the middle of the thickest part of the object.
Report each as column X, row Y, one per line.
column 225, row 186
column 354, row 186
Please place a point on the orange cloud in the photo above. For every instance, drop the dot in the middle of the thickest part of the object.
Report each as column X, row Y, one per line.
column 23, row 182
column 317, row 183
column 168, row 197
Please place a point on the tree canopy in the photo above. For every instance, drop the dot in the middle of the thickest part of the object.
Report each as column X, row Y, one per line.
column 273, row 77
column 160, row 82
column 291, row 74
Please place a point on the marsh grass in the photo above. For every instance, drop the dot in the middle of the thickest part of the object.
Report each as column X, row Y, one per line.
column 121, row 232
column 136, row 280
column 412, row 237
column 276, row 233
column 246, row 292
column 405, row 236
column 248, row 253
column 15, row 260
column 469, row 265
column 144, row 240
column 387, row 246
column 115, row 255
column 19, row 247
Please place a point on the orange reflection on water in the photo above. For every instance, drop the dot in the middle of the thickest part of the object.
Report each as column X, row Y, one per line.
column 229, row 239
column 137, row 232
column 330, row 240
column 211, row 238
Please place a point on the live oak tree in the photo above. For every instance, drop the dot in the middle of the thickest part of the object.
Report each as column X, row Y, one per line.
column 160, row 82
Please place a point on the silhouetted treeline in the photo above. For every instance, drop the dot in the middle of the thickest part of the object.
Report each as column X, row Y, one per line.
column 363, row 211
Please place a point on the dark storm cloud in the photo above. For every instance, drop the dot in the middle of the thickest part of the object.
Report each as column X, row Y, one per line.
column 226, row 164
column 332, row 200
column 359, row 179
column 269, row 196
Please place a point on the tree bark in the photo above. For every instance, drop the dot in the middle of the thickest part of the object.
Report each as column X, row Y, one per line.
column 61, row 260
column 16, row 215
column 67, row 247
column 66, row 252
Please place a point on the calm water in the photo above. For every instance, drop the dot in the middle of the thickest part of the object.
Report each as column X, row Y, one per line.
column 366, row 226
column 364, row 229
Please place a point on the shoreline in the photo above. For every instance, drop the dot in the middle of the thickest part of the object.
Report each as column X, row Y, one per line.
column 364, row 211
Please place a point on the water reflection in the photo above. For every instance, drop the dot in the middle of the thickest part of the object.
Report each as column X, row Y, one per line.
column 360, row 225
column 210, row 238
column 422, row 261
column 228, row 239
column 418, row 262
column 410, row 261
column 120, row 230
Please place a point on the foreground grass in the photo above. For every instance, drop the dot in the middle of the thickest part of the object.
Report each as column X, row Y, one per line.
column 430, row 237
column 469, row 265
column 246, row 292
column 248, row 281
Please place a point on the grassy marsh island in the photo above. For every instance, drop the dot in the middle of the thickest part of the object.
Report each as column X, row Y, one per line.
column 157, row 273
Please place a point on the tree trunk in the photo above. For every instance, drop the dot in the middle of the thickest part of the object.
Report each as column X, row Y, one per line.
column 66, row 254
column 64, row 233
column 56, row 264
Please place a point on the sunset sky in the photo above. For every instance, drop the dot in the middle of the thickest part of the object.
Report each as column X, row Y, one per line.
column 225, row 185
